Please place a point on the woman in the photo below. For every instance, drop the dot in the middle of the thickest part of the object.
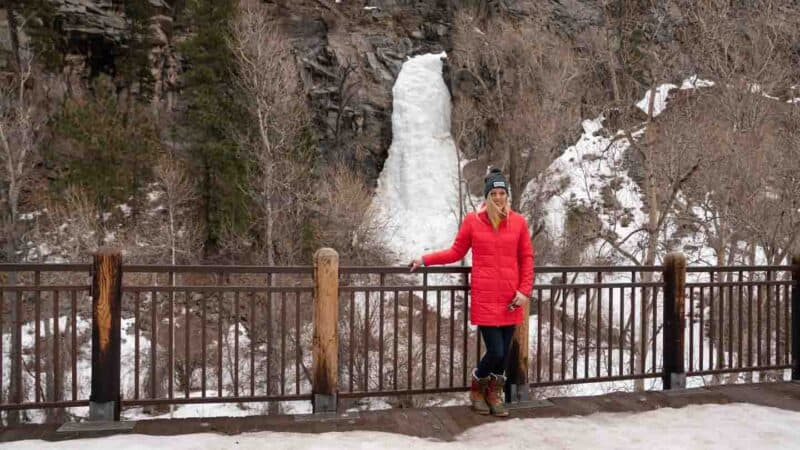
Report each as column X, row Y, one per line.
column 501, row 282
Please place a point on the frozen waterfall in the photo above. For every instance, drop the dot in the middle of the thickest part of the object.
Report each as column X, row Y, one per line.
column 417, row 195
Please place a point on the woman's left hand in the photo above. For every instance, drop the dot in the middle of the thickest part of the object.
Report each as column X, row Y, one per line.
column 519, row 300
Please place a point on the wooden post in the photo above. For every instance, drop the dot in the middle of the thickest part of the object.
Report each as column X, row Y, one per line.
column 517, row 385
column 674, row 373
column 325, row 370
column 104, row 401
column 796, row 317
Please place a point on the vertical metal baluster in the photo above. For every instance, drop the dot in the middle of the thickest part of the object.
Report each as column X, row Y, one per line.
column 787, row 298
column 654, row 330
column 712, row 335
column 380, row 332
column 740, row 319
column 586, row 319
column 409, row 364
column 298, row 354
column 56, row 347
column 187, row 380
column 599, row 336
column 452, row 336
column 253, row 337
column 220, row 318
column 642, row 340
column 283, row 342
column 352, row 337
column 466, row 336
column 203, row 344
column 268, row 319
column 37, row 298
column 610, row 370
column 438, row 337
column 74, row 313
column 171, row 331
column 538, row 335
column 730, row 325
column 551, row 338
column 701, row 339
column 759, row 356
column 425, row 330
column 367, row 331
column 270, row 343
column 19, row 394
column 768, row 353
column 574, row 333
column 236, row 314
column 632, row 361
column 395, row 363
column 564, row 326
column 777, row 324
column 136, row 325
column 621, row 330
column 153, row 341
column 691, row 329
column 749, row 325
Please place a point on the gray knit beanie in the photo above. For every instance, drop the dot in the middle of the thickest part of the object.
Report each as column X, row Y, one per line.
column 494, row 179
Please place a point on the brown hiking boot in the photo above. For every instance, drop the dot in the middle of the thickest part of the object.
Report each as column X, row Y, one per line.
column 477, row 394
column 494, row 395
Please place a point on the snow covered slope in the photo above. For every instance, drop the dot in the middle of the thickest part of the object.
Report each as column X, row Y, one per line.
column 594, row 164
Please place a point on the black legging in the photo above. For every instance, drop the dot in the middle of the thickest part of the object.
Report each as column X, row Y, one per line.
column 498, row 342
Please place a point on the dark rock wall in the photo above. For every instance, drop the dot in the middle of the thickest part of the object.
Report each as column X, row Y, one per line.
column 350, row 56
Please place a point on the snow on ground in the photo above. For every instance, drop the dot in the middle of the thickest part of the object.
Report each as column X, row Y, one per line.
column 83, row 366
column 732, row 426
column 662, row 94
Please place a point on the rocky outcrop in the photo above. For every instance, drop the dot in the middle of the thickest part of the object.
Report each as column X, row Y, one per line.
column 97, row 32
column 350, row 57
column 97, row 18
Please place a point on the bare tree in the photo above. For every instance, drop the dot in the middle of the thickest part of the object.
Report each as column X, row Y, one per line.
column 172, row 231
column 20, row 133
column 268, row 77
column 512, row 92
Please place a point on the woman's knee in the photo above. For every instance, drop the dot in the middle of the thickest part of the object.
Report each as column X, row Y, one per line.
column 495, row 352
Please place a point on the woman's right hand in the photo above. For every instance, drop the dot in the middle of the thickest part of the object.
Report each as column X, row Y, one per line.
column 414, row 264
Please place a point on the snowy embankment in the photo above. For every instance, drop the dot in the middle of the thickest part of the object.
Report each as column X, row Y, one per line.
column 732, row 426
column 579, row 176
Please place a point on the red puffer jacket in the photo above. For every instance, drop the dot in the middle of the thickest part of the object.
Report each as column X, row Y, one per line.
column 502, row 263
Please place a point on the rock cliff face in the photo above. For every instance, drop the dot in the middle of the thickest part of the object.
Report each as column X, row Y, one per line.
column 349, row 52
column 95, row 32
column 350, row 56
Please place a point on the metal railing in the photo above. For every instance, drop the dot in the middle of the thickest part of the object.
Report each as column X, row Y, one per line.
column 607, row 320
column 403, row 333
column 222, row 333
column 739, row 319
column 36, row 347
column 202, row 334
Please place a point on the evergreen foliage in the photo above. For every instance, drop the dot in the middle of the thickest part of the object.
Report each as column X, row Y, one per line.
column 42, row 25
column 213, row 115
column 132, row 66
column 108, row 154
